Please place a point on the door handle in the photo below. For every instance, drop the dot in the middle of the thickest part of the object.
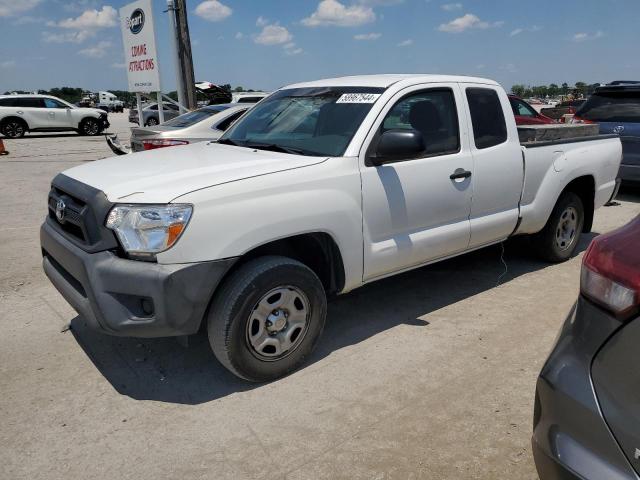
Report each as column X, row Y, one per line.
column 460, row 173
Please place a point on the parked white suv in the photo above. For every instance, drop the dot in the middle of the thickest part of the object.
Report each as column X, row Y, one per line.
column 20, row 114
column 317, row 190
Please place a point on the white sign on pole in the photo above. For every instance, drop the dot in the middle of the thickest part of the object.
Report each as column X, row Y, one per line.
column 139, row 39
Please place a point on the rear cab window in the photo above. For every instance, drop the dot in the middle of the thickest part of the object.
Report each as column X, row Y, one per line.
column 487, row 117
column 613, row 105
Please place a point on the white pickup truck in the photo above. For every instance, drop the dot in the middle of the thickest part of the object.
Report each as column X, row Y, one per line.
column 321, row 188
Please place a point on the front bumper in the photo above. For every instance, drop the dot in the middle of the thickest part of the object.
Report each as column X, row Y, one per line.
column 571, row 440
column 128, row 297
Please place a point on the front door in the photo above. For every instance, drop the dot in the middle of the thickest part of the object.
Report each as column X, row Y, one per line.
column 58, row 113
column 413, row 210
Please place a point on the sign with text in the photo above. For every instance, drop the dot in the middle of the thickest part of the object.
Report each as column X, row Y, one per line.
column 139, row 39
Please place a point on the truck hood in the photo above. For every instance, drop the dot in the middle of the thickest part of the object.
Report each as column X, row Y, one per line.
column 160, row 176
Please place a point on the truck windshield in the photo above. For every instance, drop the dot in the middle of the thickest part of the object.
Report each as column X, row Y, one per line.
column 308, row 121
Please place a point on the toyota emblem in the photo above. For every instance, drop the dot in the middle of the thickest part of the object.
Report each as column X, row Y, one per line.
column 60, row 210
column 618, row 129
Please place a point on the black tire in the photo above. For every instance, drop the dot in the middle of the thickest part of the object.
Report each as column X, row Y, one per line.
column 550, row 243
column 90, row 127
column 231, row 317
column 13, row 128
column 152, row 122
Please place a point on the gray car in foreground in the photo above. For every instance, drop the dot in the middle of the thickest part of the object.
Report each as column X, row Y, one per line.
column 587, row 405
column 201, row 125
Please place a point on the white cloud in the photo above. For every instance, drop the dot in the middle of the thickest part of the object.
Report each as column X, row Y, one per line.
column 213, row 10
column 239, row 35
column 8, row 64
column 10, row 8
column 450, row 7
column 261, row 21
column 107, row 17
column 273, row 35
column 68, row 37
column 367, row 36
column 518, row 31
column 97, row 51
column 293, row 51
column 334, row 13
column 405, row 43
column 467, row 22
column 582, row 36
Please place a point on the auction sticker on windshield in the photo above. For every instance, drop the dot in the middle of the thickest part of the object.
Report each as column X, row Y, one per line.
column 358, row 98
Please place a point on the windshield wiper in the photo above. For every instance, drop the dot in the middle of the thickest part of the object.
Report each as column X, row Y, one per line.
column 227, row 141
column 272, row 147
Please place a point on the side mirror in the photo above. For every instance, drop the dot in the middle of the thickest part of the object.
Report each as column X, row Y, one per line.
column 398, row 145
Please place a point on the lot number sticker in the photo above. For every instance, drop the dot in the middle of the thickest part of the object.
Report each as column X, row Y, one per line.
column 358, row 98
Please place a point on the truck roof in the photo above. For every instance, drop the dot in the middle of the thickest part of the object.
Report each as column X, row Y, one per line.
column 386, row 80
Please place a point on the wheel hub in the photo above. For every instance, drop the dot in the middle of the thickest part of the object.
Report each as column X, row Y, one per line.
column 567, row 228
column 278, row 323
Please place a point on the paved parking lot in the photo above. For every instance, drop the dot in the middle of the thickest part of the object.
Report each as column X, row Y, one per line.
column 429, row 374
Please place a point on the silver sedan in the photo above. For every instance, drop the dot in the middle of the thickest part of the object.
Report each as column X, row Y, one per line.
column 205, row 124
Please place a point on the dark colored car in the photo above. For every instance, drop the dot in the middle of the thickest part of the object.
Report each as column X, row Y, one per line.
column 569, row 107
column 617, row 109
column 525, row 114
column 586, row 423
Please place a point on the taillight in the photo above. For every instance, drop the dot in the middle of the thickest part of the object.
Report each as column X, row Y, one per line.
column 611, row 270
column 577, row 119
column 161, row 143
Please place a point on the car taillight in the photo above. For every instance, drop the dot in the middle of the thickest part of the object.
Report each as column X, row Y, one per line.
column 577, row 119
column 611, row 270
column 161, row 143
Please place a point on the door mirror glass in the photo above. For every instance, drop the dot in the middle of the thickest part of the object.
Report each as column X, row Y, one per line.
column 398, row 144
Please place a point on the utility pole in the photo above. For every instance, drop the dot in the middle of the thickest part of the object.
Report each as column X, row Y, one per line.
column 184, row 58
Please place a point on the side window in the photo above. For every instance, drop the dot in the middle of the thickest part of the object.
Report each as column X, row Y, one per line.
column 226, row 123
column 522, row 109
column 30, row 102
column 51, row 103
column 154, row 107
column 487, row 117
column 7, row 102
column 433, row 113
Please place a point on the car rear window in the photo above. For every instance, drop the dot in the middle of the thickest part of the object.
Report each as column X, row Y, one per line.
column 622, row 106
column 191, row 118
column 487, row 117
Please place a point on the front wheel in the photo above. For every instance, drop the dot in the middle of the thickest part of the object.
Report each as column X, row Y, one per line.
column 267, row 318
column 152, row 122
column 90, row 126
column 560, row 236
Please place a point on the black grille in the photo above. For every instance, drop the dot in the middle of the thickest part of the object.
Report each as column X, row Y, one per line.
column 83, row 214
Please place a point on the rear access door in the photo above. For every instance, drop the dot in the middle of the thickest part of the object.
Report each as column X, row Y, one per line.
column 498, row 170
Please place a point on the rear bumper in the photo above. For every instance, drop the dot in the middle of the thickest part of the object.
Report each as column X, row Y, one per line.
column 128, row 297
column 571, row 439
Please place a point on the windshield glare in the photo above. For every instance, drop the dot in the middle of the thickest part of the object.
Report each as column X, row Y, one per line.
column 313, row 121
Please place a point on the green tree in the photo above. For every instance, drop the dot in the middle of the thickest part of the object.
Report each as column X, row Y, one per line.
column 565, row 89
column 581, row 88
column 518, row 90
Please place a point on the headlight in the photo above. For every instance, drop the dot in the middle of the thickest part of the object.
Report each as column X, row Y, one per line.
column 144, row 230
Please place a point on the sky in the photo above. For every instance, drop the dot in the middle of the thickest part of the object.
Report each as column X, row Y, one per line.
column 265, row 44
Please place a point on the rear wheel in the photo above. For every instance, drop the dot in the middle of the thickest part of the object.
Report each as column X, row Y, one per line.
column 89, row 126
column 559, row 238
column 13, row 128
column 266, row 318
